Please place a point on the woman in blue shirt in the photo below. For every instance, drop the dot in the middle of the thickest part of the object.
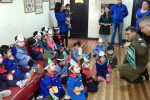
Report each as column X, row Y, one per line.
column 60, row 17
column 139, row 14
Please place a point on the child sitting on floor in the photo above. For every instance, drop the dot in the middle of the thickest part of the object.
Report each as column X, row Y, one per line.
column 111, row 57
column 61, row 68
column 99, row 47
column 57, row 37
column 75, row 53
column 90, row 84
column 75, row 88
column 50, row 42
column 50, row 83
column 37, row 53
column 102, row 68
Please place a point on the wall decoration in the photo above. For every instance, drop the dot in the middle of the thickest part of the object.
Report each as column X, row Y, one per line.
column 29, row 6
column 6, row 1
column 52, row 4
column 38, row 6
column 45, row 0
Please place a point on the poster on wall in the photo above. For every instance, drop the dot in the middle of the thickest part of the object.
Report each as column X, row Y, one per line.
column 38, row 6
column 52, row 4
column 29, row 6
column 6, row 1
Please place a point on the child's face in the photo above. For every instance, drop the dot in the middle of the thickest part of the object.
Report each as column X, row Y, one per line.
column 9, row 53
column 76, row 47
column 49, row 35
column 57, row 32
column 86, row 65
column 68, row 8
column 36, row 45
column 110, row 52
column 38, row 37
column 76, row 69
column 100, row 43
column 63, row 63
column 1, row 60
column 102, row 59
column 20, row 43
column 52, row 68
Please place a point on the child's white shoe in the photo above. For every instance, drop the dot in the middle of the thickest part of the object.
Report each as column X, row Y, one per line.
column 22, row 83
column 107, row 77
column 5, row 93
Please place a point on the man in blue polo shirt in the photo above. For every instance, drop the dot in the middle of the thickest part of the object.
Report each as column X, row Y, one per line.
column 119, row 11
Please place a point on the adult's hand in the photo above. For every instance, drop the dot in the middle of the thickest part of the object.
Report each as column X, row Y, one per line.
column 127, row 44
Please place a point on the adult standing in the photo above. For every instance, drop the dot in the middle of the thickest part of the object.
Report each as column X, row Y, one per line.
column 105, row 21
column 139, row 14
column 141, row 57
column 60, row 17
column 119, row 12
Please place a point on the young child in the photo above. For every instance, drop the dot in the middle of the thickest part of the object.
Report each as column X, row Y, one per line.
column 37, row 35
column 37, row 53
column 57, row 37
column 102, row 68
column 75, row 53
column 44, row 30
column 75, row 88
column 80, row 49
column 50, row 42
column 44, row 43
column 61, row 68
column 22, row 57
column 90, row 84
column 50, row 83
column 67, row 14
column 99, row 47
column 68, row 57
column 111, row 57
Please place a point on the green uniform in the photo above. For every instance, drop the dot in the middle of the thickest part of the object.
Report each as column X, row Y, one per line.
column 112, row 60
column 141, row 60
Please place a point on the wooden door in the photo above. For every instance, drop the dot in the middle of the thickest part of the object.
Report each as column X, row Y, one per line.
column 79, row 20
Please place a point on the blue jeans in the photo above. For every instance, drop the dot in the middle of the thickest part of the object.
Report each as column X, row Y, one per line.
column 114, row 28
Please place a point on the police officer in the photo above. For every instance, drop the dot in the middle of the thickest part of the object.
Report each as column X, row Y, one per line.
column 141, row 58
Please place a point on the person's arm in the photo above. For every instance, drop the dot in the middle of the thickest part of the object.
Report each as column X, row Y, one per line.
column 21, row 56
column 59, row 17
column 108, row 67
column 95, row 50
column 125, row 12
column 74, row 55
column 54, row 44
column 34, row 53
column 14, row 50
column 125, row 60
column 49, row 44
column 101, row 21
column 95, row 71
column 115, row 60
column 56, row 40
column 112, row 10
column 111, row 21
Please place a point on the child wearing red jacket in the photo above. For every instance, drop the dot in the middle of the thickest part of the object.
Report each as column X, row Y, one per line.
column 102, row 68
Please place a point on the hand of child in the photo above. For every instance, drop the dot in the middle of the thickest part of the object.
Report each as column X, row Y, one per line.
column 10, row 77
column 11, row 58
column 53, row 48
column 56, row 98
column 28, row 57
column 10, row 46
column 68, row 19
column 81, row 88
column 41, row 50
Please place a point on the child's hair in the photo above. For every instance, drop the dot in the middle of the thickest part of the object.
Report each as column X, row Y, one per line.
column 76, row 44
column 43, row 29
column 31, row 41
column 4, row 49
column 45, row 65
column 67, row 5
column 17, row 36
column 72, row 67
column 60, row 56
column 110, row 48
column 36, row 33
column 67, row 51
column 55, row 29
column 43, row 35
column 80, row 58
column 79, row 43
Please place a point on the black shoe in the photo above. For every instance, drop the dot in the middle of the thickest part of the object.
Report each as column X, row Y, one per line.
column 138, row 80
column 146, row 75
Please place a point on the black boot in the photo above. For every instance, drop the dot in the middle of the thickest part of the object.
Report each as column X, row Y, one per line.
column 138, row 80
column 146, row 75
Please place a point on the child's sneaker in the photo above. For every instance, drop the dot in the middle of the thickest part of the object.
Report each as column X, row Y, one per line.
column 67, row 97
column 100, row 79
column 34, row 66
column 22, row 83
column 5, row 93
column 108, row 77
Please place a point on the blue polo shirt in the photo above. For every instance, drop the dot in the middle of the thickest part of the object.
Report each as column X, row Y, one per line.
column 75, row 81
column 61, row 71
column 119, row 12
column 50, row 81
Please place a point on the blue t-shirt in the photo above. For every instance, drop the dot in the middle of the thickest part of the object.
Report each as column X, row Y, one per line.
column 140, row 15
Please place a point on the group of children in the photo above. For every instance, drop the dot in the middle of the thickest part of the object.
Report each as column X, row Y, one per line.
column 75, row 74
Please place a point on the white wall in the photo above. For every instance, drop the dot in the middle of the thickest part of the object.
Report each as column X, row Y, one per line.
column 14, row 21
column 94, row 15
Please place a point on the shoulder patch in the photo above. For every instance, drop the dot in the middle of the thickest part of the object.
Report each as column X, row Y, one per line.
column 143, row 45
column 139, row 39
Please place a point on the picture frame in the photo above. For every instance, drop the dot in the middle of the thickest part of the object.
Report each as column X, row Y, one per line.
column 29, row 6
column 52, row 4
column 6, row 1
column 45, row 0
column 38, row 6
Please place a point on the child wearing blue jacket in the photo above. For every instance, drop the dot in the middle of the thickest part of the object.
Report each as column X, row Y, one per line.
column 50, row 83
column 75, row 88
column 99, row 47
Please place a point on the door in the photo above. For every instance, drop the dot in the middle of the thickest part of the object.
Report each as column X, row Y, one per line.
column 79, row 20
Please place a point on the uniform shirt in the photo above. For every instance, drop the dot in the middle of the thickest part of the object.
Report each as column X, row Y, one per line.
column 86, row 76
column 75, row 81
column 44, row 44
column 119, row 12
column 74, row 54
column 61, row 71
column 40, row 43
column 98, row 48
column 57, row 39
column 4, row 73
column 112, row 59
column 141, row 51
column 140, row 15
column 51, row 81
column 36, row 53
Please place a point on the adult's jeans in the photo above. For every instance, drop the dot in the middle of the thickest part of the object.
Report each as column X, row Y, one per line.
column 114, row 28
